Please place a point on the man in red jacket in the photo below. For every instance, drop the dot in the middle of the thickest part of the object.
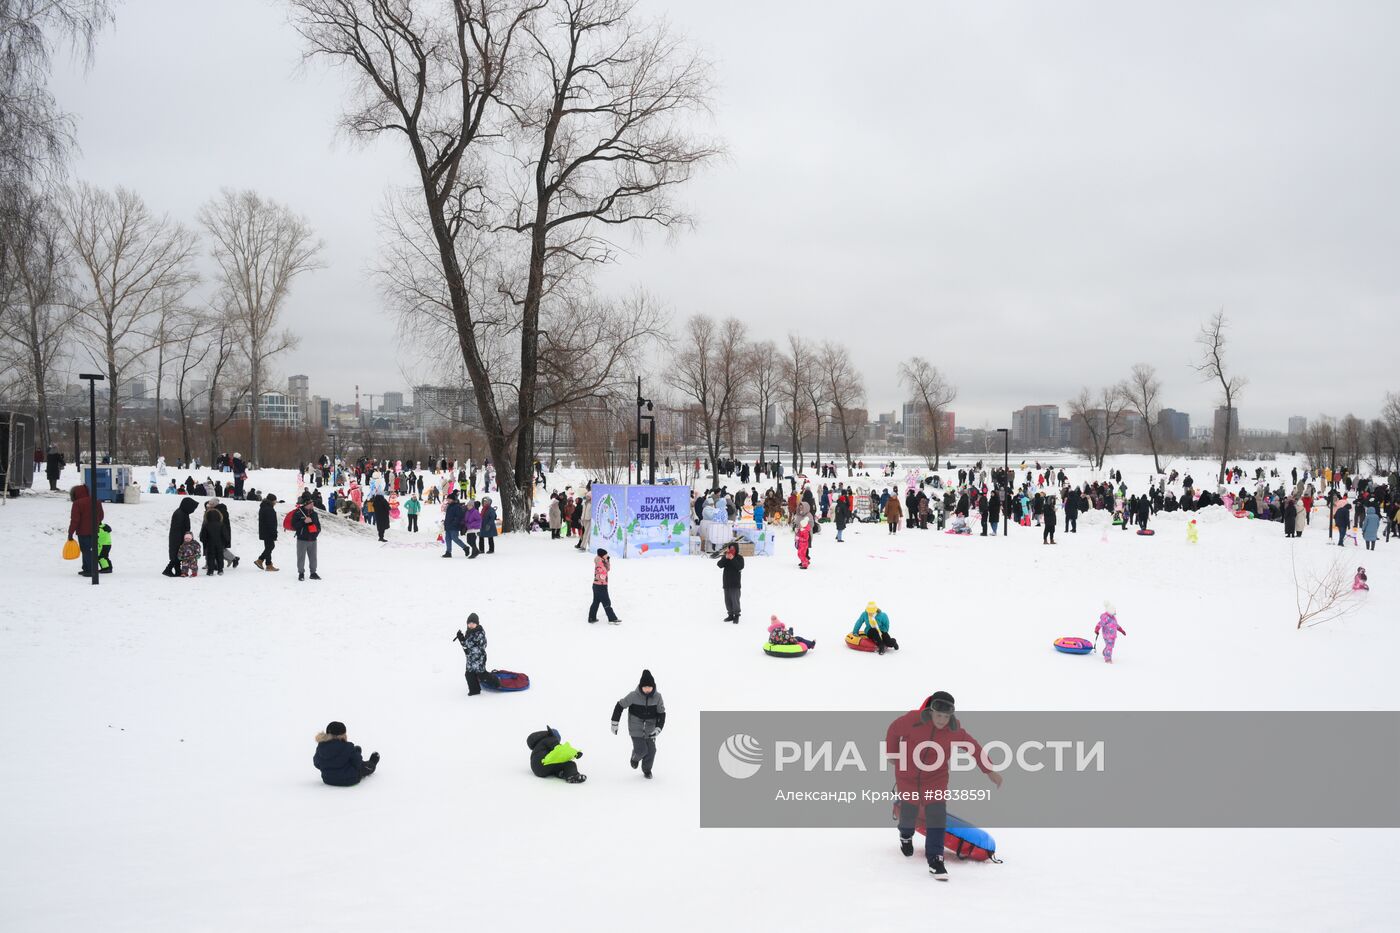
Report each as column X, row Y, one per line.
column 921, row 774
column 80, row 523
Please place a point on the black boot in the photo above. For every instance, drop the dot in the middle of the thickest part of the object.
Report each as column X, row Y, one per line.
column 906, row 845
column 935, row 868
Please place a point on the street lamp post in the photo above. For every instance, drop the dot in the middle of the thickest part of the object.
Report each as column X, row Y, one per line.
column 651, row 450
column 1005, row 476
column 644, row 402
column 92, row 380
column 1331, row 487
column 334, row 468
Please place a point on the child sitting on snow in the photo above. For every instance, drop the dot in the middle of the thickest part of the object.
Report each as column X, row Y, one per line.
column 1359, row 581
column 551, row 756
column 1108, row 625
column 959, row 525
column 779, row 634
column 189, row 556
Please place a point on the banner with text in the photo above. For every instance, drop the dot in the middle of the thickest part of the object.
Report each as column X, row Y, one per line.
column 641, row 521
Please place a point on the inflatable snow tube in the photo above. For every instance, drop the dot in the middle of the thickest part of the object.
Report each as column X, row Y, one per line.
column 960, row 837
column 506, row 681
column 1074, row 645
column 784, row 651
column 1240, row 513
column 1146, row 531
column 860, row 643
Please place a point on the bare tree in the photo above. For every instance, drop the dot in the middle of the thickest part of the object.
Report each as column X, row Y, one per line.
column 34, row 133
column 191, row 348
column 845, row 392
column 765, row 368
column 1349, row 433
column 1143, row 393
column 706, row 375
column 35, row 303
column 1212, row 366
column 133, row 267
column 227, row 377
column 1324, row 597
column 260, row 246
column 545, row 121
column 1390, row 431
column 1101, row 420
column 600, row 143
column 932, row 391
column 796, row 373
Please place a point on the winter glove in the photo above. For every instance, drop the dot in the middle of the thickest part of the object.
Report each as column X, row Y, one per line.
column 614, row 727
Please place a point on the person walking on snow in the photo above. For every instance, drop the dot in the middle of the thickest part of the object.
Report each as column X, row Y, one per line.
column 267, row 531
column 646, row 716
column 473, row 642
column 602, row 564
column 732, row 563
column 1108, row 625
column 80, row 522
column 307, row 527
column 908, row 744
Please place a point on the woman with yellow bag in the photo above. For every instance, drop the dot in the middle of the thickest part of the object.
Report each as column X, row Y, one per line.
column 80, row 522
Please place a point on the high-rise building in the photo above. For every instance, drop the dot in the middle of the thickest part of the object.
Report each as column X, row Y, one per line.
column 1297, row 426
column 274, row 408
column 439, row 406
column 393, row 401
column 1036, row 426
column 916, row 426
column 1173, row 425
column 1224, row 416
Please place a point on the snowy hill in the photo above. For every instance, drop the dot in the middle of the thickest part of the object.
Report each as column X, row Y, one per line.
column 157, row 733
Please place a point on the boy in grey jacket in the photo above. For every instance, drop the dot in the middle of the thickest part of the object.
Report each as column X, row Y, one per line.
column 646, row 715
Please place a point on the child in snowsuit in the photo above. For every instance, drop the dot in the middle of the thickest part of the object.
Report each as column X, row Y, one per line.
column 1359, row 581
column 473, row 642
column 104, row 548
column 338, row 761
column 779, row 634
column 189, row 556
column 552, row 757
column 646, row 716
column 1108, row 625
column 803, row 538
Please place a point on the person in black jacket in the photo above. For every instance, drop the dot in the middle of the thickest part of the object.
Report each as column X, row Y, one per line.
column 179, row 527
column 267, row 531
column 338, row 761
column 843, row 517
column 214, row 535
column 1047, row 515
column 541, row 744
column 1072, row 512
column 732, row 563
column 452, row 525
column 381, row 514
column 54, row 468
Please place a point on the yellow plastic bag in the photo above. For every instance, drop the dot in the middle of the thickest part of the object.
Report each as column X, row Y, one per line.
column 71, row 551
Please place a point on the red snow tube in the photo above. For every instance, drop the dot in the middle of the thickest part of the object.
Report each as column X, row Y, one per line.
column 860, row 643
column 506, row 681
column 1146, row 531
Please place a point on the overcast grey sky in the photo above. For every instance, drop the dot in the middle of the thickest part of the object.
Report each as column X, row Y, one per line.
column 1034, row 195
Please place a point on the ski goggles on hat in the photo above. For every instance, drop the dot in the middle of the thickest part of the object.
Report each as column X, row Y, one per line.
column 941, row 706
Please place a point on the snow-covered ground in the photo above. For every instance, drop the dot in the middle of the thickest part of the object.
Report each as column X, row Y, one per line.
column 157, row 734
